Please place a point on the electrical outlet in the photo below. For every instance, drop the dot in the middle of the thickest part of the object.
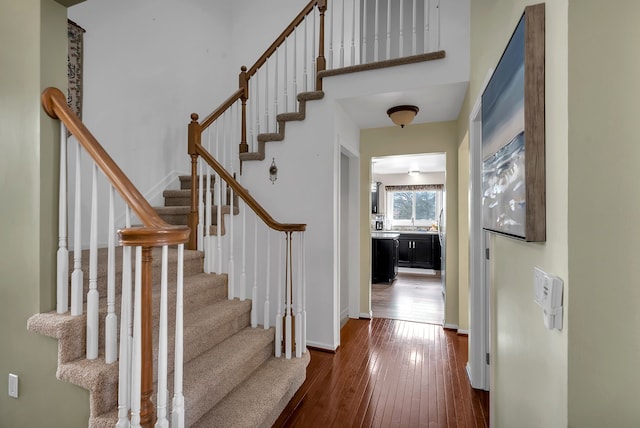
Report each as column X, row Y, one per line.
column 13, row 385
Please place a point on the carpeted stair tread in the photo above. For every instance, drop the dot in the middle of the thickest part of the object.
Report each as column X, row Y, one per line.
column 215, row 373
column 185, row 181
column 266, row 392
column 282, row 120
column 199, row 291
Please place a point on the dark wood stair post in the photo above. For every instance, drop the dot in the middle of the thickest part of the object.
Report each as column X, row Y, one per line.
column 321, row 62
column 194, row 135
column 244, row 85
column 147, row 408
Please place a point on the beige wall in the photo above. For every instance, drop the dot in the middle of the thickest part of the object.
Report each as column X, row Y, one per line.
column 529, row 362
column 413, row 139
column 604, row 345
column 34, row 58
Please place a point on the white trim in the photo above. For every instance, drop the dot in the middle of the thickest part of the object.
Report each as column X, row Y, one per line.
column 461, row 331
column 320, row 345
column 154, row 195
column 366, row 315
column 478, row 287
column 451, row 327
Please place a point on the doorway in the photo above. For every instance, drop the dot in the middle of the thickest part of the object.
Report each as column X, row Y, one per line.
column 407, row 218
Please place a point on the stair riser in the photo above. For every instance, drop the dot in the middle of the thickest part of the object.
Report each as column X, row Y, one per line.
column 175, row 219
column 185, row 182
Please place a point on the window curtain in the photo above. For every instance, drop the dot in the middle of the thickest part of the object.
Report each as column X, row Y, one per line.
column 75, row 35
column 415, row 187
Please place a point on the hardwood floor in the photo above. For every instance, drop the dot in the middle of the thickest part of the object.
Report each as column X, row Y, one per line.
column 415, row 295
column 389, row 373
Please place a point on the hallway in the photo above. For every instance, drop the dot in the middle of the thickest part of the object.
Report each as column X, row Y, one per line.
column 415, row 295
column 389, row 373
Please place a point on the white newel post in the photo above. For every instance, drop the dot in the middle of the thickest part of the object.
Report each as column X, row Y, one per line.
column 62, row 286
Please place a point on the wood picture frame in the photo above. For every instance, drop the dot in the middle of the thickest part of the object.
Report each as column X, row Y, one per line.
column 513, row 135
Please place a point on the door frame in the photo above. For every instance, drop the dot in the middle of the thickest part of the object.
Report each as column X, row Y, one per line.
column 479, row 325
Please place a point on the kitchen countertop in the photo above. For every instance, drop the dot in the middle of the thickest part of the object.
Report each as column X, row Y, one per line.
column 408, row 232
column 385, row 235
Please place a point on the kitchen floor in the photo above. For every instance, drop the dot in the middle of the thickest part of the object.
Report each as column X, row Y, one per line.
column 415, row 295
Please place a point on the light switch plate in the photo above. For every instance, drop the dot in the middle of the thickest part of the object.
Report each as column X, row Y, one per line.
column 13, row 385
column 547, row 291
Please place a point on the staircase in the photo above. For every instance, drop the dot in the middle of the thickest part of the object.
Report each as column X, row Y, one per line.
column 230, row 375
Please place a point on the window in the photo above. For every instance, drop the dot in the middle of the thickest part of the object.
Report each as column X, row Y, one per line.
column 414, row 205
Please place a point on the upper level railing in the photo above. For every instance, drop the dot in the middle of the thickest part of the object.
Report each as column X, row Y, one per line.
column 135, row 352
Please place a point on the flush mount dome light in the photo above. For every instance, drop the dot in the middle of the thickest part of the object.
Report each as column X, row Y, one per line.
column 402, row 115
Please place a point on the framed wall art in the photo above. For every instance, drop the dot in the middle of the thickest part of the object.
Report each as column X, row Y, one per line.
column 513, row 135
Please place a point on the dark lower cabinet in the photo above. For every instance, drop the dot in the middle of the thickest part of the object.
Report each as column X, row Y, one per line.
column 419, row 251
column 384, row 259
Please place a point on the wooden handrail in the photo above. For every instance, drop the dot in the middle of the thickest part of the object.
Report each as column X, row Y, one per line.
column 220, row 110
column 55, row 105
column 246, row 197
column 271, row 50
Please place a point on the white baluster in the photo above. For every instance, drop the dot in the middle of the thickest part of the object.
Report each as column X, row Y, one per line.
column 304, row 292
column 276, row 95
column 231, row 271
column 254, row 290
column 266, row 300
column 295, row 69
column 250, row 121
column 177, row 413
column 401, row 36
column 92, row 295
column 414, row 37
column 365, row 36
column 299, row 346
column 257, row 97
column 220, row 187
column 376, row 23
column 313, row 52
column 266, row 96
column 208, row 254
column 243, row 275
column 124, row 370
column 287, row 304
column 200, row 230
column 278, row 338
column 62, row 285
column 285, row 82
column 161, row 406
column 136, row 358
column 437, row 19
column 342, row 36
column 331, row 37
column 111, row 321
column 353, row 33
column 427, row 28
column 304, row 72
column 77, row 277
column 388, row 29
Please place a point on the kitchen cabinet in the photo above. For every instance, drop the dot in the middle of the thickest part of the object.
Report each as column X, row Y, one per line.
column 419, row 250
column 384, row 258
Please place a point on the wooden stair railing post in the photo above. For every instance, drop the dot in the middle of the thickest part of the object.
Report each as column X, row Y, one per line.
column 321, row 62
column 244, row 85
column 194, row 135
column 147, row 408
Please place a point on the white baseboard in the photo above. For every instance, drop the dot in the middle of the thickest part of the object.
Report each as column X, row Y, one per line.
column 451, row 327
column 323, row 346
column 154, row 195
column 366, row 315
column 461, row 331
column 468, row 370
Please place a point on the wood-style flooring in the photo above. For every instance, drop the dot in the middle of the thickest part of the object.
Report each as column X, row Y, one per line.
column 389, row 373
column 415, row 295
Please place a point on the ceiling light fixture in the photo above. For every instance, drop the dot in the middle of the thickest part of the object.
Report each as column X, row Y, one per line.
column 402, row 115
column 414, row 172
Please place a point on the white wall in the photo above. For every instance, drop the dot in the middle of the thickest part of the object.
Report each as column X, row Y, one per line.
column 147, row 66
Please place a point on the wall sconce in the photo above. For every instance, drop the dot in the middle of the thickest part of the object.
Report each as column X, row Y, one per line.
column 273, row 171
column 402, row 115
